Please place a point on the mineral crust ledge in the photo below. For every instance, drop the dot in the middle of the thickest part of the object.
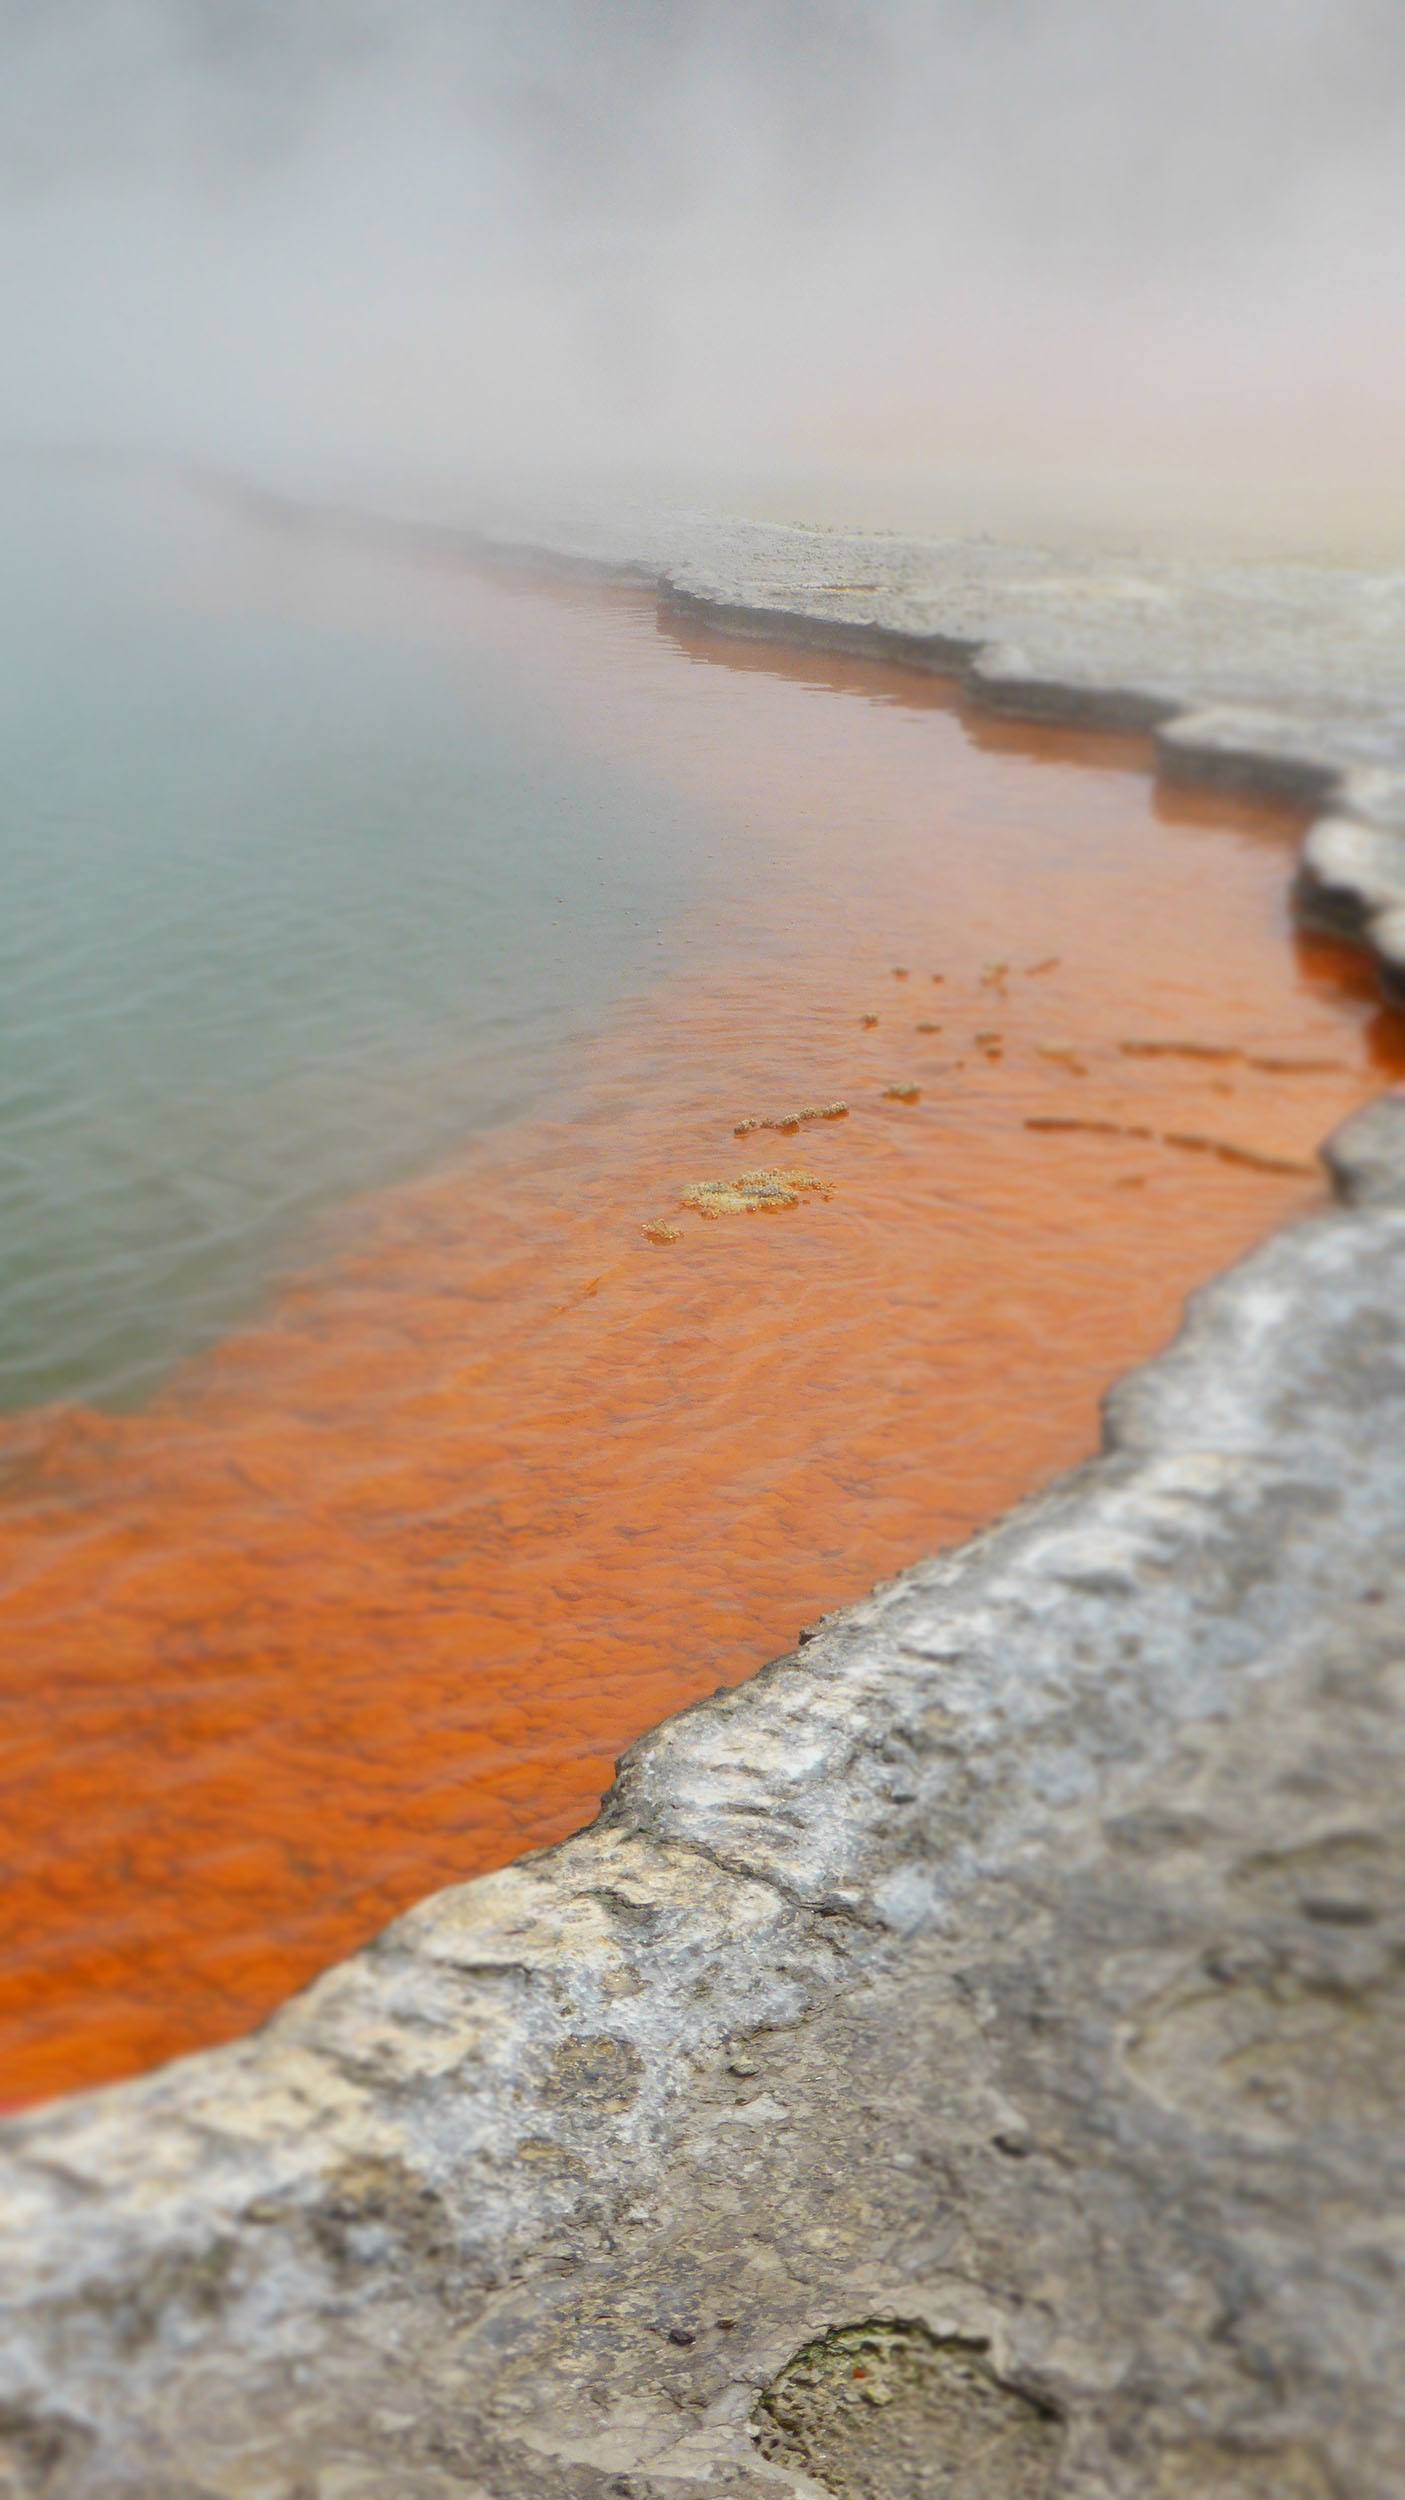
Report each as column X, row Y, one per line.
column 967, row 2059
column 1283, row 678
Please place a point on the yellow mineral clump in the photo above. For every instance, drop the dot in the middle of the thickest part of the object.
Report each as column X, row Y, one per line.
column 662, row 1232
column 902, row 1093
column 790, row 1121
column 752, row 1191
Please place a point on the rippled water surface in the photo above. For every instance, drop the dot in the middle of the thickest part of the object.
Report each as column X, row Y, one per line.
column 292, row 901
column 481, row 923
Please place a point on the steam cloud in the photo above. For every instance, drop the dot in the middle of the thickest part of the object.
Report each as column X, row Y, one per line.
column 937, row 243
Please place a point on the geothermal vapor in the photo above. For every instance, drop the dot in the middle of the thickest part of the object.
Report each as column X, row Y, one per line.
column 899, row 257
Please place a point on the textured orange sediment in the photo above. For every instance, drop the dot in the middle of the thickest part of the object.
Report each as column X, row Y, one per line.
column 369, row 1599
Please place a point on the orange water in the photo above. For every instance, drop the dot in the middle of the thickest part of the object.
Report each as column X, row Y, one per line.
column 369, row 1600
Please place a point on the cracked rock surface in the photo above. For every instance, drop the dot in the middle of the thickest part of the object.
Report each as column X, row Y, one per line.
column 969, row 2060
column 1004, row 1998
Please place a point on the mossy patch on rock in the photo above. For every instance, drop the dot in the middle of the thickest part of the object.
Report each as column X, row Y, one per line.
column 885, row 2410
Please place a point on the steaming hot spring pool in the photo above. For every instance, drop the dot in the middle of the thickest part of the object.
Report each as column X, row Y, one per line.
column 388, row 1437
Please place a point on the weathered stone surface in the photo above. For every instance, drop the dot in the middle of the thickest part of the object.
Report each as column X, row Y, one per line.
column 1351, row 882
column 1350, row 872
column 1366, row 1157
column 1005, row 1996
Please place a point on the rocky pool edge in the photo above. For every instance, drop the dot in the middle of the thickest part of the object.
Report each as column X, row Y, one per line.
column 1283, row 680
column 1001, row 1999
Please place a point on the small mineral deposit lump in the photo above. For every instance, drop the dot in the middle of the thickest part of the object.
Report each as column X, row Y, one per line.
column 902, row 1093
column 752, row 1190
column 789, row 1121
column 662, row 1232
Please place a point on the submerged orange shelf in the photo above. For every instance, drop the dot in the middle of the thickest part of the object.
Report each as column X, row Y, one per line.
column 535, row 1451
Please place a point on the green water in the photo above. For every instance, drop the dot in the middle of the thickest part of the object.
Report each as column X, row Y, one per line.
column 288, row 910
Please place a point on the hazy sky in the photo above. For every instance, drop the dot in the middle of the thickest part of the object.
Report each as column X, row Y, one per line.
column 1054, row 237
